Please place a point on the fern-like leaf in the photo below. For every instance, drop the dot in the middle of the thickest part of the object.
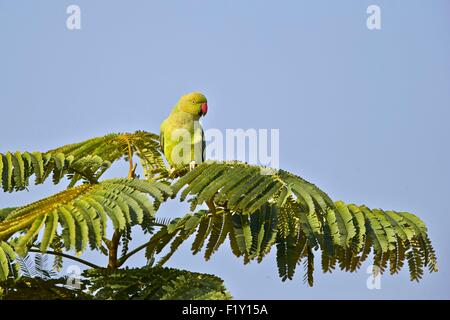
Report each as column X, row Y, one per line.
column 81, row 212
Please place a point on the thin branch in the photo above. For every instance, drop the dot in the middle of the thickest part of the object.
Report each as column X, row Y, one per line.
column 91, row 180
column 212, row 206
column 125, row 257
column 114, row 245
column 107, row 242
column 89, row 264
column 130, row 159
column 155, row 224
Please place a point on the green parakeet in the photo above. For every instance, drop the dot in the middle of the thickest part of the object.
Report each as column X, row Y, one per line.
column 182, row 137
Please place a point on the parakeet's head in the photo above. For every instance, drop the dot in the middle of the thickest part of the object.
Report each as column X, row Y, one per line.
column 194, row 103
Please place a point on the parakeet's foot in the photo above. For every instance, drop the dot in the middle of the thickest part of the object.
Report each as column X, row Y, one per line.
column 192, row 165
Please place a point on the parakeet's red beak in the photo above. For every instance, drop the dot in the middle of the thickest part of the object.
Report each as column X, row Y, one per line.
column 204, row 108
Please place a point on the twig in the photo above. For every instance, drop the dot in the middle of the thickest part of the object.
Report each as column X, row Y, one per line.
column 130, row 159
column 89, row 264
column 113, row 247
column 124, row 258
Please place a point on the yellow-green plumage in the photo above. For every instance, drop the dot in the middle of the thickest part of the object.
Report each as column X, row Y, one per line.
column 182, row 138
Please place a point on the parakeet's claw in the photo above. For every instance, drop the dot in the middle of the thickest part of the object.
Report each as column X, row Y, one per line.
column 192, row 165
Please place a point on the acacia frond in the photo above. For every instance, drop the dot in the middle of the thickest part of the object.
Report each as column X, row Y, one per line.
column 17, row 168
column 260, row 207
column 83, row 212
column 5, row 212
column 8, row 263
column 393, row 236
column 41, row 267
column 38, row 288
column 155, row 284
column 86, row 160
column 129, row 284
column 114, row 146
column 245, row 188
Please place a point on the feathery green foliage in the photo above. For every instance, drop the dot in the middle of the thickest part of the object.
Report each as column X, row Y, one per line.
column 296, row 236
column 126, row 284
column 86, row 160
column 83, row 213
column 40, row 289
column 251, row 207
column 155, row 284
column 8, row 263
column 37, row 269
column 5, row 212
column 17, row 168
column 245, row 188
column 114, row 146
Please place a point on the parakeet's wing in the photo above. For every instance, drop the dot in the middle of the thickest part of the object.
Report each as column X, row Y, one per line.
column 161, row 135
column 203, row 146
column 161, row 140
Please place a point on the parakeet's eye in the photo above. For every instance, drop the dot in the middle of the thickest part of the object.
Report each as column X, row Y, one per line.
column 194, row 102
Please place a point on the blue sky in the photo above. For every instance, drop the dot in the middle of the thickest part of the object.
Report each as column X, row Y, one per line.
column 362, row 114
